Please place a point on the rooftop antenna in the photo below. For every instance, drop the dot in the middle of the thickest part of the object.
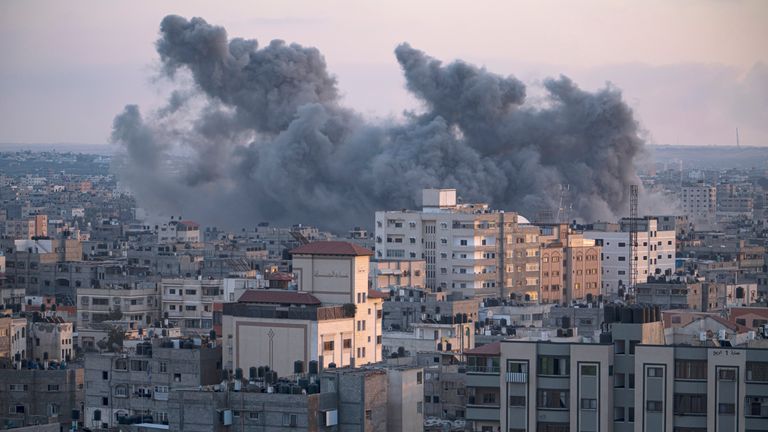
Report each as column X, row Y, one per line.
column 633, row 216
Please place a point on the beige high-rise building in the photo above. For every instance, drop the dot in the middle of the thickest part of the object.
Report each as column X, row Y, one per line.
column 333, row 318
column 570, row 265
column 469, row 249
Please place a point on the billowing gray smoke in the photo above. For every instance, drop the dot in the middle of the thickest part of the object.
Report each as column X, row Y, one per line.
column 263, row 137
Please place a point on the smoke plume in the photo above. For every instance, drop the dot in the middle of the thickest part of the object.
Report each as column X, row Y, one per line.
column 259, row 134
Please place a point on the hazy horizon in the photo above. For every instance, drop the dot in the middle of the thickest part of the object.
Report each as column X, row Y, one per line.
column 693, row 71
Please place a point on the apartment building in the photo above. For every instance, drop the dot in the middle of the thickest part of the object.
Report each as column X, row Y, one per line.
column 27, row 229
column 137, row 384
column 188, row 303
column 332, row 318
column 469, row 249
column 50, row 339
column 699, row 202
column 654, row 254
column 386, row 274
column 629, row 381
column 13, row 338
column 570, row 265
column 31, row 397
column 138, row 305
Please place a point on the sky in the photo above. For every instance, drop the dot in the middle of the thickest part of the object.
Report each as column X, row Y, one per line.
column 693, row 71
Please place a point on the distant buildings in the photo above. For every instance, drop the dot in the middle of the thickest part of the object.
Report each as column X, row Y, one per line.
column 654, row 254
column 469, row 249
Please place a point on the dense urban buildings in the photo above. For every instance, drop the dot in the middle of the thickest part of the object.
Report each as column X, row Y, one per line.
column 455, row 316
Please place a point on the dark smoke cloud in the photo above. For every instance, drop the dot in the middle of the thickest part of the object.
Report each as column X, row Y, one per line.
column 262, row 136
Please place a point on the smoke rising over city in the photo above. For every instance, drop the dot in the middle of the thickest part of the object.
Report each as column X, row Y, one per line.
column 263, row 136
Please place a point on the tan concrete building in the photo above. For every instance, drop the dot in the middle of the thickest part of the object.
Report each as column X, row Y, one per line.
column 188, row 303
column 570, row 265
column 27, row 229
column 469, row 249
column 386, row 274
column 13, row 338
column 332, row 318
column 50, row 339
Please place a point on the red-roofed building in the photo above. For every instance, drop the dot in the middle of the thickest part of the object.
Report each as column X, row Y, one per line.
column 332, row 317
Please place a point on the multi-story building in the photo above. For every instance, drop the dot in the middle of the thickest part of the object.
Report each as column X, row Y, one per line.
column 407, row 306
column 13, row 338
column 40, row 396
column 188, row 303
column 570, row 265
column 699, row 202
column 386, row 274
column 50, row 339
column 332, row 318
column 138, row 305
column 469, row 249
column 136, row 384
column 670, row 293
column 630, row 381
column 654, row 254
column 27, row 229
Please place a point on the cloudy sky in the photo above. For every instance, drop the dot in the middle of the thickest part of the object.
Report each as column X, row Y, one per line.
column 694, row 71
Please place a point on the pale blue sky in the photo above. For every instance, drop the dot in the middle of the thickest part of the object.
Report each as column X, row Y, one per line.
column 693, row 70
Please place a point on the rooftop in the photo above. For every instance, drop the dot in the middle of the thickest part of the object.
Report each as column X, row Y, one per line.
column 332, row 248
column 278, row 297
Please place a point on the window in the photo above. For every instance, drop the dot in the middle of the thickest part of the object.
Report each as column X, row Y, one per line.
column 588, row 404
column 328, row 346
column 190, row 307
column 254, row 415
column 517, row 401
column 290, row 420
column 630, row 414
column 105, row 401
column 53, row 410
column 17, row 387
column 121, row 391
column 552, row 427
column 655, row 372
column 654, row 406
column 419, row 377
column 589, row 370
column 757, row 371
column 553, row 365
column 53, row 387
column 368, row 415
column 16, row 409
column 726, row 374
column 163, row 366
column 691, row 369
column 177, row 377
column 552, row 399
column 632, row 345
column 104, row 375
column 756, row 406
column 690, row 404
column 726, row 408
column 618, row 346
column 346, row 344
column 488, row 398
column 190, row 292
column 419, row 407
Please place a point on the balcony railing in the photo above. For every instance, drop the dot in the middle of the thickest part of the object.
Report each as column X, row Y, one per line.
column 517, row 377
column 483, row 369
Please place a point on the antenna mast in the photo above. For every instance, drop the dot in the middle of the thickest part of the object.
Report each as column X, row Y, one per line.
column 633, row 271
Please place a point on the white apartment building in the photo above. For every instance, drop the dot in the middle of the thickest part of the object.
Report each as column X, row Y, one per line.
column 655, row 253
column 462, row 245
column 699, row 202
column 138, row 305
column 188, row 303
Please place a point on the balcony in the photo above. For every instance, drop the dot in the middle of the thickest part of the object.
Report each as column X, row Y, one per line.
column 517, row 377
column 483, row 369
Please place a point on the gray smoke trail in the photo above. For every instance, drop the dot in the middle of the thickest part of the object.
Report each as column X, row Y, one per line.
column 263, row 137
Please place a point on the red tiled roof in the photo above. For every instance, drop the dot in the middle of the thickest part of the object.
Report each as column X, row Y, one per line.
column 377, row 294
column 189, row 223
column 491, row 349
column 332, row 248
column 278, row 297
